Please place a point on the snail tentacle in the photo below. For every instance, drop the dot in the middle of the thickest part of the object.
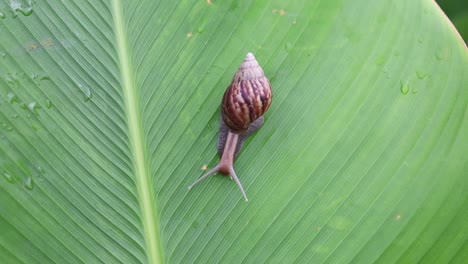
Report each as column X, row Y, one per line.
column 244, row 102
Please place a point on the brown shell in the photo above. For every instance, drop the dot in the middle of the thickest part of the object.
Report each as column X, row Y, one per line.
column 248, row 96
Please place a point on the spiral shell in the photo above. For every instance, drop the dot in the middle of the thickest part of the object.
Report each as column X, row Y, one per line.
column 247, row 97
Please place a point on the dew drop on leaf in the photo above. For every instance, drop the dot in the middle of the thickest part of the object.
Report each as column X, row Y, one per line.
column 26, row 11
column 49, row 104
column 439, row 54
column 40, row 173
column 33, row 106
column 404, row 87
column 2, row 15
column 421, row 75
column 12, row 98
column 380, row 60
column 387, row 74
column 8, row 177
column 16, row 7
column 28, row 183
column 12, row 79
column 41, row 169
column 87, row 94
column 38, row 78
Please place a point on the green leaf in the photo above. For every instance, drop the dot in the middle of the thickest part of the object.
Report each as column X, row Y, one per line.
column 109, row 109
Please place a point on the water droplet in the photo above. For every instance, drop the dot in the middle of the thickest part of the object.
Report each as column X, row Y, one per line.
column 26, row 11
column 12, row 79
column 12, row 98
column 35, row 127
column 439, row 54
column 414, row 91
column 421, row 75
column 2, row 54
column 8, row 177
column 32, row 106
column 14, row 116
column 288, row 46
column 387, row 74
column 87, row 94
column 420, row 40
column 200, row 30
column 17, row 7
column 40, row 173
column 28, row 183
column 38, row 78
column 24, row 106
column 49, row 104
column 404, row 87
column 41, row 170
column 2, row 15
column 380, row 60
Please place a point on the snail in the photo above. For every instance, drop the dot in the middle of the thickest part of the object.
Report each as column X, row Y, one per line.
column 245, row 101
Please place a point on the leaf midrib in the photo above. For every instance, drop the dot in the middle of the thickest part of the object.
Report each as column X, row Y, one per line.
column 140, row 158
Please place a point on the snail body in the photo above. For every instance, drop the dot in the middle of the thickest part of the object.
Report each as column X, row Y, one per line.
column 244, row 103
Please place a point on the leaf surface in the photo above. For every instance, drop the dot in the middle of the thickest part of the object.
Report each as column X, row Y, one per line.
column 110, row 109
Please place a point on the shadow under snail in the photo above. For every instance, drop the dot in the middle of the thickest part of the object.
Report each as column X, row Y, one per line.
column 245, row 101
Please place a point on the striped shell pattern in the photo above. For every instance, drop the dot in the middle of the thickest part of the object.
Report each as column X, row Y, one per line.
column 247, row 97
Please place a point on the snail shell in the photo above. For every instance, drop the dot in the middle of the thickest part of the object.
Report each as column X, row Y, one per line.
column 245, row 101
column 248, row 96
